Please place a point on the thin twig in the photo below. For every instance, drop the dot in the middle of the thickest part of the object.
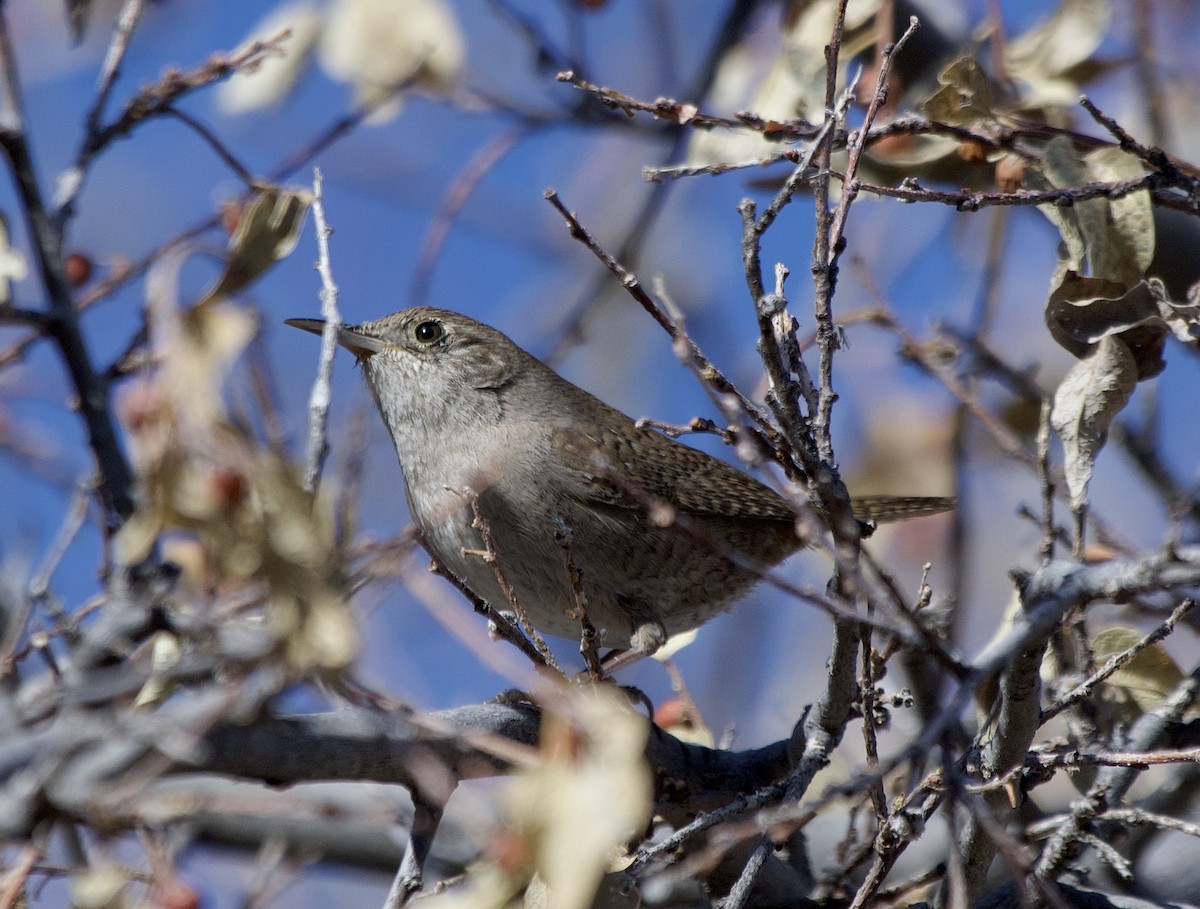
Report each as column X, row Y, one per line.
column 712, row 376
column 252, row 184
column 681, row 113
column 588, row 637
column 1046, row 548
column 71, row 524
column 505, row 627
column 968, row 200
column 317, row 447
column 1114, row 663
column 489, row 554
column 116, row 477
column 127, row 20
column 154, row 100
column 121, row 275
column 739, row 895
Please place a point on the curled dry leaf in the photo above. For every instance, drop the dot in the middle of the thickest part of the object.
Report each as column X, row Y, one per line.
column 268, row 230
column 965, row 95
column 269, row 81
column 1092, row 393
column 1081, row 311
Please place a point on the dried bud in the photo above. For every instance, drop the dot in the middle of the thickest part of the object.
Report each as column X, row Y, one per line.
column 971, row 151
column 79, row 269
column 231, row 216
column 670, row 713
column 173, row 893
column 229, row 487
column 1010, row 173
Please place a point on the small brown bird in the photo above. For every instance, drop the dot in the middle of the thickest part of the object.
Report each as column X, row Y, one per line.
column 665, row 537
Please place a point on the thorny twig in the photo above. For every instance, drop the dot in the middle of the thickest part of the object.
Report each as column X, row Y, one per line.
column 317, row 447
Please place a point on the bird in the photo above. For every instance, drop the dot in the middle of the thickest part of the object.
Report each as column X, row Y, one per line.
column 503, row 459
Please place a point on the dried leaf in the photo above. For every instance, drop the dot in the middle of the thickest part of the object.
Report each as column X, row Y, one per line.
column 783, row 86
column 1092, row 393
column 1146, row 679
column 590, row 794
column 1104, row 238
column 1081, row 311
column 270, row 80
column 245, row 505
column 100, row 887
column 1042, row 57
column 965, row 95
column 1130, row 238
column 267, row 231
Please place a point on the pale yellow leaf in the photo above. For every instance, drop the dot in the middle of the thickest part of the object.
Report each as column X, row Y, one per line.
column 270, row 80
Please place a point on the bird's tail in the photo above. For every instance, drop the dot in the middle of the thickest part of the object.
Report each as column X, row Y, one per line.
column 883, row 509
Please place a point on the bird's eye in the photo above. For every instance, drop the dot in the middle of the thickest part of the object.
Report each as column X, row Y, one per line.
column 429, row 332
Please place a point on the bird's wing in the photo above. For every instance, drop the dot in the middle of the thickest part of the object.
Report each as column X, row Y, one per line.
column 639, row 468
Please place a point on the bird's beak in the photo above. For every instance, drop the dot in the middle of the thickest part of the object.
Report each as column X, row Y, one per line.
column 349, row 336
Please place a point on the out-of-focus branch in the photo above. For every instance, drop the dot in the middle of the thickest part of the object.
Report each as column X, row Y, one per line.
column 123, row 30
column 116, row 479
column 151, row 101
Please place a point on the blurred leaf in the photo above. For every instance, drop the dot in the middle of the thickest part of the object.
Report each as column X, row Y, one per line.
column 100, row 887
column 1146, row 679
column 788, row 85
column 267, row 231
column 12, row 264
column 1042, row 57
column 588, row 796
column 270, row 80
column 965, row 95
column 244, row 503
column 378, row 45
column 210, row 342
column 165, row 652
column 1091, row 395
column 1061, row 166
column 570, row 816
